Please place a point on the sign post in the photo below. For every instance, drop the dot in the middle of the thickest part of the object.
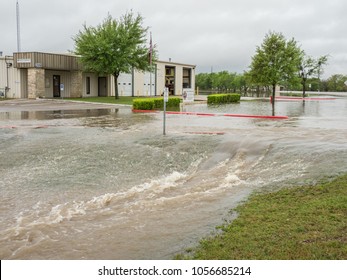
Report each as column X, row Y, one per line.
column 166, row 98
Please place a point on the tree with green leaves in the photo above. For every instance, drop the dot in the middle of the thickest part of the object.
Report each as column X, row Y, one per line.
column 337, row 82
column 203, row 81
column 115, row 46
column 276, row 61
column 309, row 68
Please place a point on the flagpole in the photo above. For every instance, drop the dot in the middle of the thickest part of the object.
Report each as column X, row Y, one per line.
column 150, row 64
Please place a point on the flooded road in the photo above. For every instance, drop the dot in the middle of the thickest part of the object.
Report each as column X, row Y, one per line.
column 104, row 183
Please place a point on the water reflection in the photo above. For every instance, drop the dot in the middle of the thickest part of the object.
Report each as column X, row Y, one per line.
column 56, row 114
column 323, row 114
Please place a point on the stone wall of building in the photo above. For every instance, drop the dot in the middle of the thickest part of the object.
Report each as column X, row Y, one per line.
column 76, row 84
column 36, row 82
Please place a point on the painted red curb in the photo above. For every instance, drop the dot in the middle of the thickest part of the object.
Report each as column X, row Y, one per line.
column 255, row 116
column 213, row 114
column 306, row 98
column 206, row 114
column 8, row 126
column 145, row 111
column 207, row 132
column 34, row 127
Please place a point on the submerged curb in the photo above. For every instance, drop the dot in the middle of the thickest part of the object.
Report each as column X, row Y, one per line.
column 214, row 114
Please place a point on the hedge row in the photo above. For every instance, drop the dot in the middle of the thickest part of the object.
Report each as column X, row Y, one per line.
column 223, row 98
column 155, row 103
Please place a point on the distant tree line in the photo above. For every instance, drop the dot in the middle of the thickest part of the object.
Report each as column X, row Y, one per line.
column 225, row 82
column 277, row 62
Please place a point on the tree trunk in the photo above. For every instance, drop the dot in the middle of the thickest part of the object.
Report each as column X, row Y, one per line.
column 303, row 88
column 116, row 75
column 273, row 99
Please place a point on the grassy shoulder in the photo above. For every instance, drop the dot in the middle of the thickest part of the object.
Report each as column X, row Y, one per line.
column 124, row 100
column 296, row 223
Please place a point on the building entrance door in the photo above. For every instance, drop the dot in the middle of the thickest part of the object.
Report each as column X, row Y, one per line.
column 56, row 85
column 102, row 86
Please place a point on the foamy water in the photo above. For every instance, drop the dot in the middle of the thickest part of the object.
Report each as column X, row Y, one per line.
column 110, row 186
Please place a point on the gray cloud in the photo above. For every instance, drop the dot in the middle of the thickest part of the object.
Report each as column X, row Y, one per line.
column 222, row 34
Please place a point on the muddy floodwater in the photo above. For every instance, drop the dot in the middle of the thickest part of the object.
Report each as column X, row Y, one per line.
column 104, row 183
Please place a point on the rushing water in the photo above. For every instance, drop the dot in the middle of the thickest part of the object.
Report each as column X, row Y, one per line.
column 106, row 184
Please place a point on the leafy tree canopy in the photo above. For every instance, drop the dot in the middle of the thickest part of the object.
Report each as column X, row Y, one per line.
column 276, row 61
column 114, row 46
column 309, row 68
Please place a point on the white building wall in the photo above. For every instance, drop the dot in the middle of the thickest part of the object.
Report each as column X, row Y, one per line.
column 142, row 83
column 12, row 75
column 125, row 84
column 178, row 80
column 138, row 83
column 94, row 89
column 160, row 78
column 148, row 83
column 193, row 79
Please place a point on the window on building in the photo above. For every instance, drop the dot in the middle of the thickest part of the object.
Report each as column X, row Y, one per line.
column 187, row 78
column 88, row 85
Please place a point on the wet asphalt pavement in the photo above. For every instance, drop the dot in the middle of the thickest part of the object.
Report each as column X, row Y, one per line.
column 15, row 105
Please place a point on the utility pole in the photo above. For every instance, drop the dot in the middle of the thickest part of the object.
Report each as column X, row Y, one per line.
column 18, row 28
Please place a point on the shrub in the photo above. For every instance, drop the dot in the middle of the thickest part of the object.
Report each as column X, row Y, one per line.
column 155, row 103
column 143, row 104
column 174, row 102
column 223, row 98
column 158, row 103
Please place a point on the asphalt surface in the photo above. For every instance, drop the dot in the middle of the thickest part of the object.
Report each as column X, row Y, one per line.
column 15, row 105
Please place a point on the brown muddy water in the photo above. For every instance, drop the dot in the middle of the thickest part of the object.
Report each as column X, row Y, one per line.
column 106, row 184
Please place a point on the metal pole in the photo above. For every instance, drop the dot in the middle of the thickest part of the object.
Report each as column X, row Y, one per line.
column 150, row 81
column 164, row 121
column 150, row 64
column 166, row 97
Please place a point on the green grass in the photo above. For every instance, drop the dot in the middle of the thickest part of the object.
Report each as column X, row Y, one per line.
column 296, row 223
column 125, row 100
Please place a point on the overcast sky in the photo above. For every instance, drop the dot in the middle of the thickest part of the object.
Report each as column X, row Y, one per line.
column 212, row 34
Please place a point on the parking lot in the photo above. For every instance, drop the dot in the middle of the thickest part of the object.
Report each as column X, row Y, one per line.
column 15, row 105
